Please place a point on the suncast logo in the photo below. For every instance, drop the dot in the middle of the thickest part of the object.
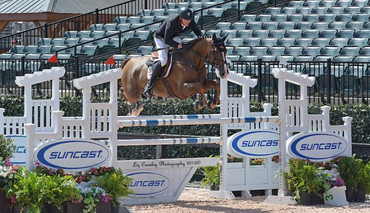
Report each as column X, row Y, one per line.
column 316, row 146
column 254, row 143
column 147, row 184
column 73, row 154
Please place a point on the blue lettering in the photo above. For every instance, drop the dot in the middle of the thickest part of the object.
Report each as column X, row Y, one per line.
column 147, row 183
column 304, row 146
column 53, row 155
column 99, row 152
column 85, row 154
column 339, row 145
column 59, row 157
column 20, row 149
column 320, row 146
column 68, row 154
column 260, row 143
column 92, row 154
column 74, row 156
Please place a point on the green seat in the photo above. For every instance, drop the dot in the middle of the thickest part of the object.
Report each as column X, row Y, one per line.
column 208, row 21
column 44, row 41
column 120, row 19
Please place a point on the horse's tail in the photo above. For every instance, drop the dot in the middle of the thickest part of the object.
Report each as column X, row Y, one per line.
column 123, row 63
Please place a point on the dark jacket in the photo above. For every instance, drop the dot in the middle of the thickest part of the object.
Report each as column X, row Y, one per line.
column 172, row 27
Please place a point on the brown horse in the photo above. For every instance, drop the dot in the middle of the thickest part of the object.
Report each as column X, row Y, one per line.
column 187, row 76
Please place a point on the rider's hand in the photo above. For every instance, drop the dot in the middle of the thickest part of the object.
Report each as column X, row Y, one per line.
column 179, row 46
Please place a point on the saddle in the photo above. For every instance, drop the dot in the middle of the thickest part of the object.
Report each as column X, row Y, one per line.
column 153, row 59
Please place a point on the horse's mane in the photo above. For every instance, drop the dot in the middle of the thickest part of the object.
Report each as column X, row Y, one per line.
column 190, row 44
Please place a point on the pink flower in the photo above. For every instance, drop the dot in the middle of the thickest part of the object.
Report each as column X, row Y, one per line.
column 16, row 167
column 37, row 164
column 7, row 163
column 12, row 199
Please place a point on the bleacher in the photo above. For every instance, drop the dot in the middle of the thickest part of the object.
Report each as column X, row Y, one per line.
column 299, row 31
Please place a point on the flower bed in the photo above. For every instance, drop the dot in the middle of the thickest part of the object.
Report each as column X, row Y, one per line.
column 48, row 190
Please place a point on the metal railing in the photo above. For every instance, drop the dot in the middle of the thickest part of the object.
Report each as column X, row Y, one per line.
column 336, row 82
column 80, row 22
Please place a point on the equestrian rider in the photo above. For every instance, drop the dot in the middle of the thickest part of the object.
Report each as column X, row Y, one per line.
column 167, row 36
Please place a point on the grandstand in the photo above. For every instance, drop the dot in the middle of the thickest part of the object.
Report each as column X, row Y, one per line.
column 327, row 39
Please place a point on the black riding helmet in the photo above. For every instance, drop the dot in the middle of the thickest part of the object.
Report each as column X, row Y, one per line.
column 186, row 13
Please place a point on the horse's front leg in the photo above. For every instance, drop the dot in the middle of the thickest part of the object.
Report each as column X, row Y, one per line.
column 208, row 84
column 190, row 89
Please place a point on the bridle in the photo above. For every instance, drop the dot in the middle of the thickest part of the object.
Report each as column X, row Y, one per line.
column 214, row 47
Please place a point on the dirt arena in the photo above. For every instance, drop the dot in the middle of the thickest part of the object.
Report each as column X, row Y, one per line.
column 196, row 200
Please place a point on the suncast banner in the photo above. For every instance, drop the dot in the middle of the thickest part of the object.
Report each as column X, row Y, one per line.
column 316, row 146
column 73, row 154
column 19, row 154
column 148, row 184
column 254, row 143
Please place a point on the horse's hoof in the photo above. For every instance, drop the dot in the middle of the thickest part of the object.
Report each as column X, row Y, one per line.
column 212, row 104
column 198, row 105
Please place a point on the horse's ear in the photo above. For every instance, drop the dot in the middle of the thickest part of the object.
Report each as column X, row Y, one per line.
column 214, row 37
column 224, row 38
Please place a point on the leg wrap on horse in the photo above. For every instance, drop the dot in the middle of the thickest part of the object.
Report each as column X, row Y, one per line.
column 157, row 71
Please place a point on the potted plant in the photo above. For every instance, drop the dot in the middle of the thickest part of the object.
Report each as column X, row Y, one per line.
column 116, row 185
column 363, row 184
column 306, row 181
column 7, row 177
column 349, row 170
column 57, row 191
column 90, row 196
column 6, row 169
column 336, row 195
column 212, row 176
column 27, row 191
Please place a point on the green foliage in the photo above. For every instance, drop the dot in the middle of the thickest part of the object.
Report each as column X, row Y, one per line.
column 90, row 204
column 71, row 105
column 116, row 185
column 7, row 147
column 58, row 190
column 212, row 175
column 27, row 191
column 366, row 178
column 302, row 176
column 350, row 170
column 13, row 104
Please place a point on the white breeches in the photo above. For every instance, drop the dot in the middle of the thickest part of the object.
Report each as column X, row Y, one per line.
column 163, row 54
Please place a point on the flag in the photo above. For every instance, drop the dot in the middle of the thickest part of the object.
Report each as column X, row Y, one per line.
column 111, row 61
column 53, row 59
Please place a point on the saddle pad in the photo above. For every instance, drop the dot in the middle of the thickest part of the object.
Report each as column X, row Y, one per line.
column 167, row 71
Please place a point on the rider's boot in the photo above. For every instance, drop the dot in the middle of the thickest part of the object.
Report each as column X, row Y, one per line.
column 157, row 71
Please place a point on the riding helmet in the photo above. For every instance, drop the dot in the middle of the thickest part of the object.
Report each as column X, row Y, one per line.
column 186, row 13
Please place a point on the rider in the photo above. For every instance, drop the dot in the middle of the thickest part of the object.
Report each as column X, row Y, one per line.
column 166, row 36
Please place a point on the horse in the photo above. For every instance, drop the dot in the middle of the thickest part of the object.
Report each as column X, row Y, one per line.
column 187, row 76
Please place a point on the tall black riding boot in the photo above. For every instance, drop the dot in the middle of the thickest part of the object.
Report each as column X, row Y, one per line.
column 157, row 71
